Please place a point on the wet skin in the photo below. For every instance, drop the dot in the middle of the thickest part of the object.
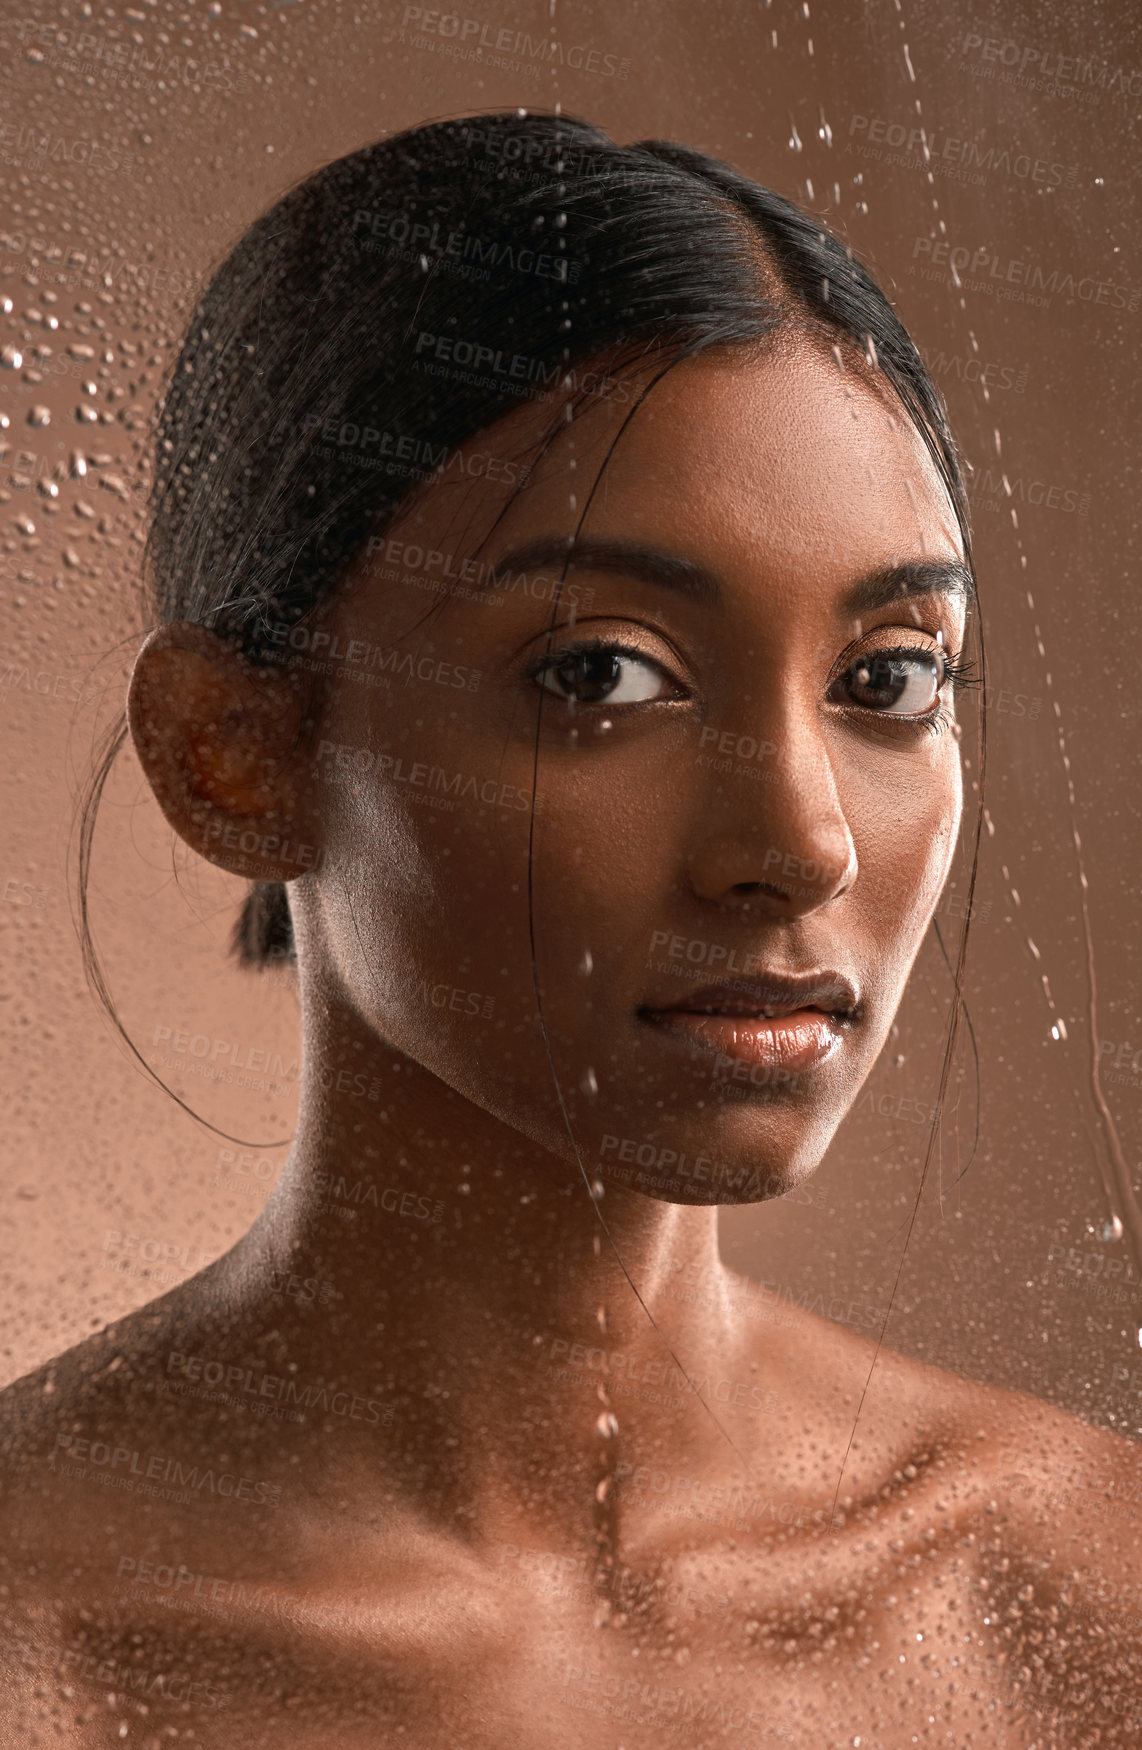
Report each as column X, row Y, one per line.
column 770, row 557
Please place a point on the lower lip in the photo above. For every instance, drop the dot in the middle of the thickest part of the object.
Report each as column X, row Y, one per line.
column 795, row 1041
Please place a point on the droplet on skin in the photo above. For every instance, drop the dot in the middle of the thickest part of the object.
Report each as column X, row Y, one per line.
column 586, row 964
column 589, row 1083
column 11, row 358
column 607, row 1425
column 1111, row 1229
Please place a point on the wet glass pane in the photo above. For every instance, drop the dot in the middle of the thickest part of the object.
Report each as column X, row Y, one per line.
column 573, row 1073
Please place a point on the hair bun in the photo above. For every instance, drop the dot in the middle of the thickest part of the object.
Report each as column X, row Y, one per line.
column 264, row 930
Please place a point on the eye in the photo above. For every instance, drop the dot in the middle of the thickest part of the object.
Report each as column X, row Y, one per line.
column 602, row 674
column 896, row 683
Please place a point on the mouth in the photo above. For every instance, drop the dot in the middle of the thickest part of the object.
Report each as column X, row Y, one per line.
column 781, row 1021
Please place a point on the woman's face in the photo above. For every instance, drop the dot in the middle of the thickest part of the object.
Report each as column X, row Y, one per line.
column 736, row 724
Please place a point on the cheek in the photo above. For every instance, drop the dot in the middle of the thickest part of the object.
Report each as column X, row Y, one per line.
column 427, row 902
column 905, row 831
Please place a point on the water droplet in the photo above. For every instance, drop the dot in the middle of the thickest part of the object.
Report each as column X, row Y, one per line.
column 1059, row 1030
column 603, row 1489
column 601, row 1318
column 589, row 1083
column 607, row 1425
column 39, row 416
column 11, row 358
column 794, row 138
column 1111, row 1229
column 86, row 415
column 825, row 132
column 586, row 964
column 598, row 1191
column 25, row 525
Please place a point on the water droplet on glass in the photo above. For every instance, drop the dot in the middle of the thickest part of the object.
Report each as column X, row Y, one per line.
column 586, row 964
column 1111, row 1229
column 39, row 416
column 589, row 1083
column 794, row 138
column 597, row 1190
column 11, row 358
column 607, row 1425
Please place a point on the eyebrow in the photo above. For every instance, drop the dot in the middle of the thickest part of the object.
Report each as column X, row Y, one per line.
column 877, row 589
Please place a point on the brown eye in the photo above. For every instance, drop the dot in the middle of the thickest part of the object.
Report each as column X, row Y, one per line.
column 602, row 674
column 898, row 683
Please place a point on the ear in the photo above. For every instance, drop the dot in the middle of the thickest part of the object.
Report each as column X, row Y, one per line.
column 219, row 740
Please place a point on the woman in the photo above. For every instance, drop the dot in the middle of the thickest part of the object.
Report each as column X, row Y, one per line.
column 508, row 485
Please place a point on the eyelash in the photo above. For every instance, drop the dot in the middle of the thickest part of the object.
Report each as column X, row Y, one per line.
column 956, row 669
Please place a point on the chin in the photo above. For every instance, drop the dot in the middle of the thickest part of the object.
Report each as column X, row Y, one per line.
column 746, row 1151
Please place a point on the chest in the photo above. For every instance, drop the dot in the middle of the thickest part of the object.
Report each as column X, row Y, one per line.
column 527, row 1659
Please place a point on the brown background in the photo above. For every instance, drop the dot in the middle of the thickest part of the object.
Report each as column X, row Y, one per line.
column 137, row 151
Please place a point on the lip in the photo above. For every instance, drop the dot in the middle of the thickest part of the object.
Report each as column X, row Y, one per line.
column 787, row 1021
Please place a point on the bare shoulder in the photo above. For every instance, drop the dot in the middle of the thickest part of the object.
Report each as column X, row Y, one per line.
column 1040, row 1512
column 97, row 1451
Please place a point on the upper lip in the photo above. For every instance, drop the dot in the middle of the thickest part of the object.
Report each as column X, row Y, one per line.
column 774, row 993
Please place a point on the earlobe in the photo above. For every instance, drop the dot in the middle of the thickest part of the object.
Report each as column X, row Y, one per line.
column 217, row 738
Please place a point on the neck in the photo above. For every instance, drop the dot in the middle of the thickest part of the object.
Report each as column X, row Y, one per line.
column 502, row 1313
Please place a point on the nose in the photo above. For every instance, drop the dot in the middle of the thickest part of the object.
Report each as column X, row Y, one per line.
column 777, row 839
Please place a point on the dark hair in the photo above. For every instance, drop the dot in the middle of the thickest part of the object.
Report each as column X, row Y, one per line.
column 510, row 236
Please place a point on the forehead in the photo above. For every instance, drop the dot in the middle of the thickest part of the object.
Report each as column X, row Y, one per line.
column 787, row 461
column 789, row 450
